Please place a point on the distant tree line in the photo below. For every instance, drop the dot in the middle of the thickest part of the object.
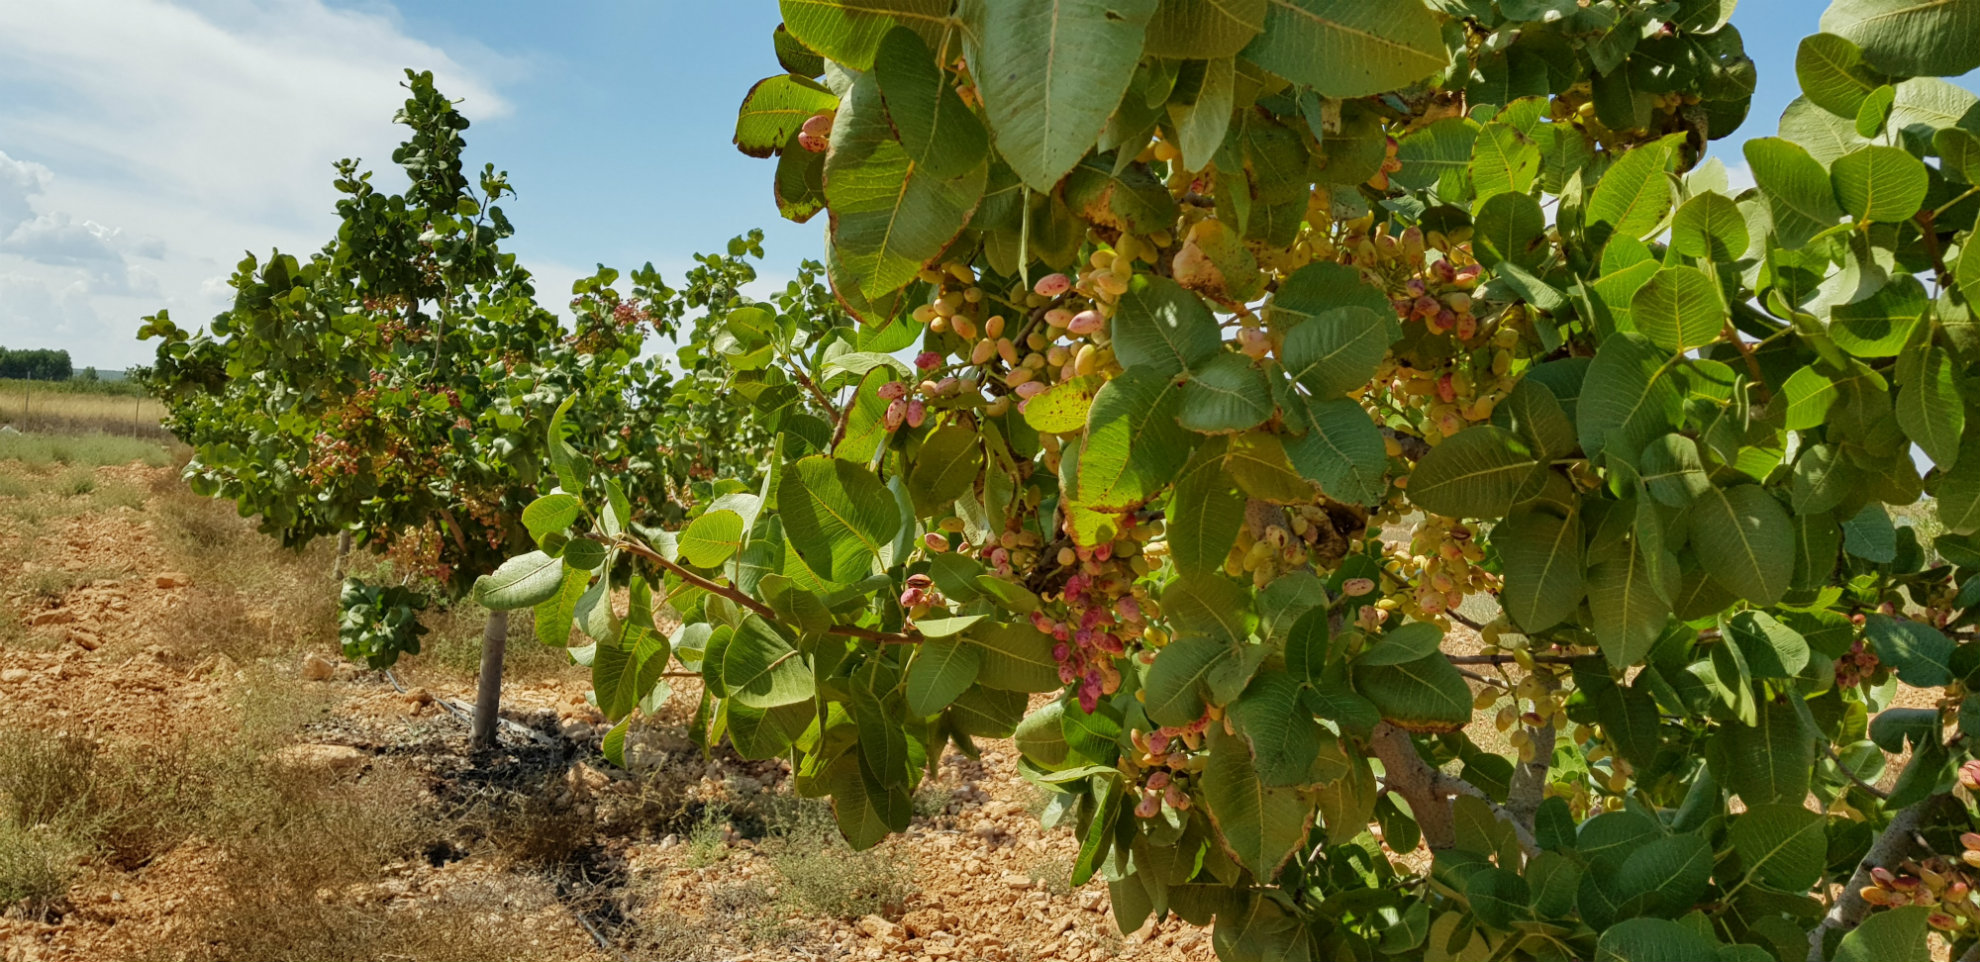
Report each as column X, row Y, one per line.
column 40, row 365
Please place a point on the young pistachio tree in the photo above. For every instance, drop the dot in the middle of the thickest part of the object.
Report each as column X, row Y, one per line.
column 397, row 386
column 1379, row 428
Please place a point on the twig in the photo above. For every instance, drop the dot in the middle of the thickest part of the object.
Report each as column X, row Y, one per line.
column 1860, row 783
column 1931, row 233
column 838, row 417
column 768, row 613
column 1752, row 362
column 1512, row 659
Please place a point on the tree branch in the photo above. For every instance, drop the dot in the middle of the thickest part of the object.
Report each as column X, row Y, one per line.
column 1408, row 775
column 767, row 613
column 1429, row 791
column 1529, row 779
column 1886, row 851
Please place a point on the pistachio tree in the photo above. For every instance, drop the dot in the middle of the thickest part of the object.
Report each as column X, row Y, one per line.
column 397, row 386
column 1402, row 500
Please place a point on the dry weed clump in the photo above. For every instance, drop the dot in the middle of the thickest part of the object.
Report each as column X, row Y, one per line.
column 823, row 875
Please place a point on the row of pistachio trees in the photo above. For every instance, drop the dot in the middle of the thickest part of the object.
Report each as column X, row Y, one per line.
column 1259, row 344
column 396, row 388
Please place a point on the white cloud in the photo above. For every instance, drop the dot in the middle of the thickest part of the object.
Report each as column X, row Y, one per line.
column 181, row 133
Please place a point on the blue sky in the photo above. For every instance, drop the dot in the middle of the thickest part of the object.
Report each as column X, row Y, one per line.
column 145, row 144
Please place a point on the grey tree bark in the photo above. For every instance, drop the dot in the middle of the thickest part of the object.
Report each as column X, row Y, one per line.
column 488, row 693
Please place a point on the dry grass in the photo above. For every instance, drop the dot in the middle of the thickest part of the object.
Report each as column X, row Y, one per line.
column 35, row 408
column 40, row 451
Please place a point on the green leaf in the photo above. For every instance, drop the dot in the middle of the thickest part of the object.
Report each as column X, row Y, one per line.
column 1534, row 412
column 773, row 110
column 1016, row 658
column 1782, row 845
column 1260, row 826
column 1929, row 406
column 1205, row 512
column 712, row 538
column 1875, row 111
column 1797, row 189
column 1335, row 351
column 1134, row 447
column 1410, row 642
column 1769, row 761
column 584, row 554
column 1879, row 184
column 1342, row 451
column 1478, row 472
column 1632, row 198
column 943, row 668
column 849, row 31
column 1834, row 75
column 1744, row 542
column 1284, row 738
column 946, row 468
column 1309, row 646
column 1672, row 471
column 1919, row 653
column 1438, row 156
column 1426, row 695
column 1204, row 29
column 1161, row 328
column 1510, row 227
column 1629, row 395
column 1050, row 72
column 1200, row 126
column 1675, row 869
column 837, row 515
column 1892, row 935
column 1175, row 682
column 1679, row 309
column 1258, row 463
column 555, row 613
column 1869, row 535
column 1771, row 649
column 551, row 513
column 941, row 134
column 626, row 668
column 867, row 811
column 1503, row 160
column 760, row 668
column 1958, row 490
column 1653, row 940
column 1348, row 48
column 1959, row 153
column 889, row 216
column 1541, row 554
column 1629, row 606
column 1911, row 38
column 1710, row 227
column 1881, row 324
column 521, row 582
column 1227, row 394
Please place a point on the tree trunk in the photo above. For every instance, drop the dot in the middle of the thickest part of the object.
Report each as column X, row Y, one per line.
column 488, row 694
column 343, row 555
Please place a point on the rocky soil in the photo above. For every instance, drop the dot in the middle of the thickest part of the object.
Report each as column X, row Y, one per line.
column 117, row 632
